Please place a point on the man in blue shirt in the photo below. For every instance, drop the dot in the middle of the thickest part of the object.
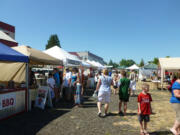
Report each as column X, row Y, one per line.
column 57, row 83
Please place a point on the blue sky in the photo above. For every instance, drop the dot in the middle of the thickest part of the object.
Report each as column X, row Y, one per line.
column 112, row 29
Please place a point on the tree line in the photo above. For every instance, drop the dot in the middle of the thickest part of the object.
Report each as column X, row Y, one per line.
column 130, row 62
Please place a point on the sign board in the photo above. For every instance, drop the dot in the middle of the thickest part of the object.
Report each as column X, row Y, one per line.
column 42, row 95
column 7, row 101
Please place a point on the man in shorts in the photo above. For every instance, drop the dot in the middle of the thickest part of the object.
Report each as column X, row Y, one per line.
column 124, row 92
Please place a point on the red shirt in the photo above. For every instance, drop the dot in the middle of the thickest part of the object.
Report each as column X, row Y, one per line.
column 145, row 102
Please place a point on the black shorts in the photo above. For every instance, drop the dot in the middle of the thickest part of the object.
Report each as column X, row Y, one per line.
column 115, row 87
column 144, row 118
column 124, row 100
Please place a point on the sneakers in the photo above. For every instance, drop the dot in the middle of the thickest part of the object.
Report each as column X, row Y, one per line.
column 106, row 114
column 121, row 113
column 99, row 114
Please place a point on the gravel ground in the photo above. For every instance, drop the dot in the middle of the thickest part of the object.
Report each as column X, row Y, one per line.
column 68, row 120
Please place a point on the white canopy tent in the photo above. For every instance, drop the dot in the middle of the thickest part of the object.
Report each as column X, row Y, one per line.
column 67, row 58
column 133, row 67
column 95, row 64
column 170, row 64
column 85, row 64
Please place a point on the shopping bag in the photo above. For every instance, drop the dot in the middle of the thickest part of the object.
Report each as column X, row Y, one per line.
column 95, row 95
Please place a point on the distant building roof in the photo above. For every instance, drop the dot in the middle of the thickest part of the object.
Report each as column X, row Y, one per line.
column 7, row 27
column 76, row 54
column 6, row 37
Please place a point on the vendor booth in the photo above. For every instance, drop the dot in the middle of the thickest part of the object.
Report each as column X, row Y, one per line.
column 149, row 71
column 36, row 57
column 133, row 67
column 169, row 64
column 95, row 64
column 13, row 98
column 68, row 59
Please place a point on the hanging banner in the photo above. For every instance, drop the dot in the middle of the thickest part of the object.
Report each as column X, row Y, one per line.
column 7, row 101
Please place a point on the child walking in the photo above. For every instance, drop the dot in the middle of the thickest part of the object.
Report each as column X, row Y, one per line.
column 144, row 109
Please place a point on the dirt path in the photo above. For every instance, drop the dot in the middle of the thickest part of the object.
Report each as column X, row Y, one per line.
column 65, row 120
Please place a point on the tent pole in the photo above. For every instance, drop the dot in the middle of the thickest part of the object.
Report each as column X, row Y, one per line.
column 162, row 72
column 27, row 85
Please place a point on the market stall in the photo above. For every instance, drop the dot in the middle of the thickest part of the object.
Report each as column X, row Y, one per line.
column 168, row 64
column 133, row 67
column 149, row 71
column 68, row 59
column 13, row 99
column 36, row 57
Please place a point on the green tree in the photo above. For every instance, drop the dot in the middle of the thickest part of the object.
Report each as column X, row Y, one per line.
column 53, row 41
column 141, row 63
column 167, row 56
column 126, row 63
column 130, row 62
column 114, row 64
column 155, row 61
column 123, row 62
column 110, row 63
column 105, row 63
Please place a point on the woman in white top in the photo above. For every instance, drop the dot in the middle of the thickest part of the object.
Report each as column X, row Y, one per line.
column 104, row 91
column 51, row 84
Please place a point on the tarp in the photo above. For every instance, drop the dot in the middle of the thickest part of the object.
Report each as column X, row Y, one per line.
column 4, row 36
column 121, row 67
column 12, row 64
column 169, row 63
column 145, row 73
column 133, row 67
column 8, row 54
column 151, row 66
column 37, row 57
column 95, row 64
column 12, row 71
column 67, row 58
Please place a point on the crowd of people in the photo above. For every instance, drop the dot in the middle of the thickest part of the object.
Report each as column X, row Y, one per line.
column 73, row 84
column 126, row 86
column 70, row 89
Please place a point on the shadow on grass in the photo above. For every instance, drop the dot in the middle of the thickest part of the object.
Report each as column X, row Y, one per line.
column 89, row 105
column 131, row 114
column 161, row 133
column 117, row 114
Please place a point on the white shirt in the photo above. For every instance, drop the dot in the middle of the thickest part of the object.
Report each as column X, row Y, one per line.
column 51, row 82
column 66, row 79
column 105, row 84
column 132, row 76
column 96, row 78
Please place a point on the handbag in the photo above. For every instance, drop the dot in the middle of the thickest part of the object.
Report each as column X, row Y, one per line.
column 95, row 95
